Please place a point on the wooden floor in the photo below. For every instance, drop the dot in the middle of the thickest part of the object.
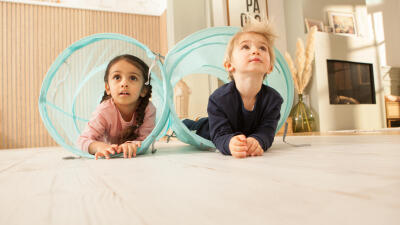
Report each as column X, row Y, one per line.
column 339, row 179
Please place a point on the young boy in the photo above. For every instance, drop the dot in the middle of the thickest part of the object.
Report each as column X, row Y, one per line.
column 243, row 114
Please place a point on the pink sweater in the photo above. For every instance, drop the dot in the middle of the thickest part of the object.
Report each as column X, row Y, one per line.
column 107, row 124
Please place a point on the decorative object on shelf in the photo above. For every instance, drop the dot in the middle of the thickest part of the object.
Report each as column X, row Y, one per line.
column 302, row 117
column 310, row 23
column 239, row 11
column 328, row 29
column 182, row 92
column 343, row 23
column 392, row 104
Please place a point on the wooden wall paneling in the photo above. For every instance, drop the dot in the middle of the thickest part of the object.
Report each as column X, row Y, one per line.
column 12, row 70
column 3, row 39
column 41, row 65
column 156, row 32
column 163, row 34
column 139, row 29
column 30, row 76
column 6, row 64
column 147, row 32
column 44, row 51
column 33, row 37
column 36, row 67
column 33, row 67
column 20, row 77
column 131, row 26
column 1, row 71
column 127, row 28
column 119, row 25
column 52, row 35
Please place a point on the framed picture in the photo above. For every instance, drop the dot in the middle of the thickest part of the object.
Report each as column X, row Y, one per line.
column 310, row 23
column 343, row 23
column 237, row 11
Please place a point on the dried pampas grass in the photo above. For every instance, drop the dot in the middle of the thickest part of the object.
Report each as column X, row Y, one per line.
column 302, row 71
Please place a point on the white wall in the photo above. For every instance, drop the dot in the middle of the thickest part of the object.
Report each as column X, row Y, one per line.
column 185, row 17
column 188, row 17
column 294, row 20
column 276, row 14
column 386, row 13
column 384, row 16
column 329, row 46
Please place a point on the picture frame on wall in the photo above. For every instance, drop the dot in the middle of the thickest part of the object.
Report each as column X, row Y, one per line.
column 310, row 23
column 343, row 23
column 237, row 11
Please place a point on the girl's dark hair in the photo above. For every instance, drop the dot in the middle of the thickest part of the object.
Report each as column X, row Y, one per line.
column 130, row 133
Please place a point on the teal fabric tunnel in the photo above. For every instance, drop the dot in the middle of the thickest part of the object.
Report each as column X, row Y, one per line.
column 74, row 84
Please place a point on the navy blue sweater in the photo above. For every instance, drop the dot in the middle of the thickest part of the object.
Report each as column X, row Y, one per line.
column 228, row 117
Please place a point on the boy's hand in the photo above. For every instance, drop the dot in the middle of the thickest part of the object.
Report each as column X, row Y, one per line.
column 254, row 147
column 104, row 150
column 129, row 148
column 238, row 146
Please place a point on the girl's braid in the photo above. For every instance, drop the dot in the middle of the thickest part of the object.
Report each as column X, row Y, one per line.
column 130, row 133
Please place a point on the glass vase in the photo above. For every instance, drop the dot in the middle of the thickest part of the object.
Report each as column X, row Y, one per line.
column 302, row 117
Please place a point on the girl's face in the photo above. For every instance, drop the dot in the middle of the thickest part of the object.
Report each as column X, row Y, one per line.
column 125, row 83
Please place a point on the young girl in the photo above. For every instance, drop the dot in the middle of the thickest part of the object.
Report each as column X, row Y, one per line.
column 125, row 116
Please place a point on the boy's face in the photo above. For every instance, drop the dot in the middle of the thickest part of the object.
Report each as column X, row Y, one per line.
column 250, row 55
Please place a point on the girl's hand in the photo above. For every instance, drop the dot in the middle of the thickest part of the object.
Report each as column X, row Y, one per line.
column 104, row 150
column 129, row 148
column 238, row 146
column 254, row 147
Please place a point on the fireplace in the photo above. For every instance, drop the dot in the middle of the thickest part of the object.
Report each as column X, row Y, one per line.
column 350, row 82
column 350, row 95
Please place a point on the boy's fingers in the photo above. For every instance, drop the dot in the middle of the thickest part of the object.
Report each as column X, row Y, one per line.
column 251, row 151
column 239, row 154
column 236, row 141
column 241, row 148
column 258, row 152
column 251, row 146
column 240, row 143
column 241, row 138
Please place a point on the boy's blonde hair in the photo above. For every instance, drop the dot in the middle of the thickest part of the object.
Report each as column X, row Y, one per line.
column 264, row 29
